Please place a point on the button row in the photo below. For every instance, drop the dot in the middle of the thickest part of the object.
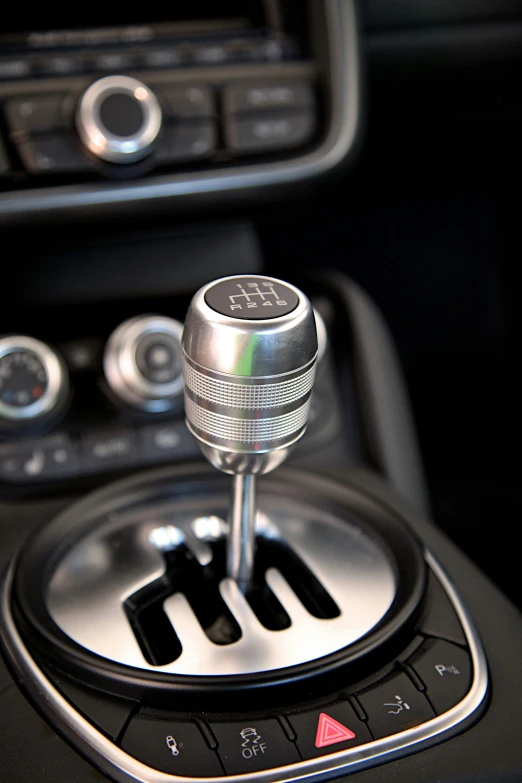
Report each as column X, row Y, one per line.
column 238, row 50
column 62, row 457
column 259, row 117
column 391, row 706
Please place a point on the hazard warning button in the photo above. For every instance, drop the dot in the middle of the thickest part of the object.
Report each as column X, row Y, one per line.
column 328, row 730
column 331, row 732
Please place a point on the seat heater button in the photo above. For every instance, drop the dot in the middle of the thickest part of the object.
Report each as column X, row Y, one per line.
column 171, row 746
column 446, row 672
column 253, row 745
column 394, row 705
column 328, row 730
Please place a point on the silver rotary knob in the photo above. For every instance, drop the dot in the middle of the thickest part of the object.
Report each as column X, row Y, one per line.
column 34, row 383
column 118, row 119
column 249, row 359
column 142, row 363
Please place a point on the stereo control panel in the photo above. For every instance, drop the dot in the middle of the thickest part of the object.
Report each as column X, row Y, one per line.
column 97, row 115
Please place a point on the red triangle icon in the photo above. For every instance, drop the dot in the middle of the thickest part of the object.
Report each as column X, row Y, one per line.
column 330, row 732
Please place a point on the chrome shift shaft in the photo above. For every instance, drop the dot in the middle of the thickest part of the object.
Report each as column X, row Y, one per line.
column 241, row 538
column 249, row 359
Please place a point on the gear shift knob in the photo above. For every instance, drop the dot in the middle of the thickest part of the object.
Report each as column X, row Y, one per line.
column 249, row 358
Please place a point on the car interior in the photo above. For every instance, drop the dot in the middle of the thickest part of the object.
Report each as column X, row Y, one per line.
column 259, row 404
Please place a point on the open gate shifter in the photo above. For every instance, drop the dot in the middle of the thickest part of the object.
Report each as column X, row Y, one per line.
column 249, row 358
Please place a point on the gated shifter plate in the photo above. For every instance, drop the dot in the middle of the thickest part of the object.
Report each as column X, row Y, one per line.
column 323, row 583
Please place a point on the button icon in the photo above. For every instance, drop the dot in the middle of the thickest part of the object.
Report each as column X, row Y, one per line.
column 398, row 706
column 331, row 732
column 166, row 439
column 35, row 465
column 442, row 670
column 251, row 745
column 172, row 745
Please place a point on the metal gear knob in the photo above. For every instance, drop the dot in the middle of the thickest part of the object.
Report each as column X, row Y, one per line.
column 249, row 357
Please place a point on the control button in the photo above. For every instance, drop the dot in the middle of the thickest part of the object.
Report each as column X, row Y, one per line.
column 270, row 131
column 114, row 61
column 4, row 163
column 189, row 141
column 168, row 442
column 34, row 114
column 171, row 746
column 258, row 96
column 328, row 730
column 253, row 745
column 61, row 65
column 261, row 50
column 446, row 672
column 38, row 460
column 210, row 54
column 162, row 58
column 110, row 449
column 440, row 618
column 52, row 154
column 192, row 100
column 394, row 705
column 15, row 69
column 118, row 119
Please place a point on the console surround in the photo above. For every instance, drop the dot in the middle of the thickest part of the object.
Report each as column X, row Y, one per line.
column 429, row 726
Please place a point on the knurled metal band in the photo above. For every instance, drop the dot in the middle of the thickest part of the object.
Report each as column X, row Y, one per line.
column 245, row 430
column 248, row 396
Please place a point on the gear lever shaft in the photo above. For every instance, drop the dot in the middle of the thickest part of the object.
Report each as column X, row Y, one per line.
column 249, row 358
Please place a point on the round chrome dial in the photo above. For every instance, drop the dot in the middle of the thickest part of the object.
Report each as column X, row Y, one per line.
column 33, row 380
column 118, row 119
column 142, row 362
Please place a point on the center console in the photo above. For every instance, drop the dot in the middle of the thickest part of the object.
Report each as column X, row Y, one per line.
column 175, row 624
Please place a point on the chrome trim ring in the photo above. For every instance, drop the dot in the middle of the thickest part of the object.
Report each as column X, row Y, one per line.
column 98, row 139
column 258, row 396
column 86, row 602
column 246, row 432
column 126, row 769
column 121, row 369
column 57, row 381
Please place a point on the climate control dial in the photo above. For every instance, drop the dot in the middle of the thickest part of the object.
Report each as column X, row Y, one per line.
column 33, row 381
column 142, row 363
